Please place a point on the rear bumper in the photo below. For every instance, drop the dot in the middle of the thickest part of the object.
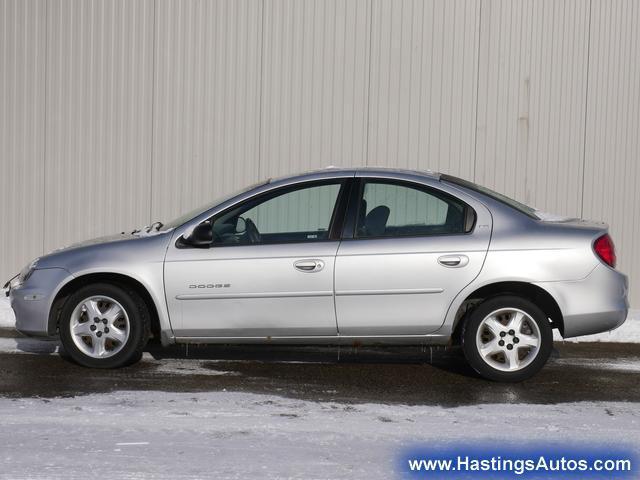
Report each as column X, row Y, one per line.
column 31, row 302
column 595, row 304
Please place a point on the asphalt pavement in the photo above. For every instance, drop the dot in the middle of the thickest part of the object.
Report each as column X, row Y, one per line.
column 407, row 375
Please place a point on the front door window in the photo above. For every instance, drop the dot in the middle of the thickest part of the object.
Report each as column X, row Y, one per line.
column 303, row 214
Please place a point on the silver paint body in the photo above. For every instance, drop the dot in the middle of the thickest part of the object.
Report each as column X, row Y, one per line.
column 388, row 290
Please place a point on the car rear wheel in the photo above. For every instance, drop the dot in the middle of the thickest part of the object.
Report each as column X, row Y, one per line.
column 104, row 326
column 507, row 339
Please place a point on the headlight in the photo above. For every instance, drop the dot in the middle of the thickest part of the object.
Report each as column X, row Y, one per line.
column 25, row 273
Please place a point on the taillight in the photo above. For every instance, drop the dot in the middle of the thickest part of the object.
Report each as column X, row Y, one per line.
column 606, row 250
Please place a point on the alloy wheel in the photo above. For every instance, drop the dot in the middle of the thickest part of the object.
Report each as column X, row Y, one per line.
column 508, row 339
column 99, row 326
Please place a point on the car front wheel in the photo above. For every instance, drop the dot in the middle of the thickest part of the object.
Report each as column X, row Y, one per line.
column 507, row 339
column 104, row 326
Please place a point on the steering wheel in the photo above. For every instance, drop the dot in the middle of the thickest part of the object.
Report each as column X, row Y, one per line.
column 252, row 231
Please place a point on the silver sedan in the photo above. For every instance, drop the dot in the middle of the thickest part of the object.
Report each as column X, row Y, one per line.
column 339, row 256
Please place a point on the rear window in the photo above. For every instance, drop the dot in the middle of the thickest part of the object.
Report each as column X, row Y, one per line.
column 521, row 207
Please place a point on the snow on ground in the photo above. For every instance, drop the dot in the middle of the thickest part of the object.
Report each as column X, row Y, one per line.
column 628, row 333
column 240, row 435
column 7, row 319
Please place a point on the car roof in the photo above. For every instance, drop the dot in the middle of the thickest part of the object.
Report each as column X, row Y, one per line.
column 332, row 171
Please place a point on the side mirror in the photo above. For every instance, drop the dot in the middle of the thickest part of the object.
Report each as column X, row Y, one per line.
column 201, row 237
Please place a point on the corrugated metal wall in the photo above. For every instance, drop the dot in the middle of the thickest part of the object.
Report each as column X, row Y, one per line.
column 114, row 113
column 206, row 110
column 532, row 88
column 612, row 137
column 423, row 84
column 22, row 132
column 97, row 156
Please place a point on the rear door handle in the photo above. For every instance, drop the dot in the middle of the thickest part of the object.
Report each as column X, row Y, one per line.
column 309, row 266
column 453, row 261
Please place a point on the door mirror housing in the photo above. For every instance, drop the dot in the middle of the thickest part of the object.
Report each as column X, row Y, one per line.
column 201, row 237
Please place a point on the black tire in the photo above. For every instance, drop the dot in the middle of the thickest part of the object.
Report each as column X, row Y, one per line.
column 139, row 325
column 475, row 319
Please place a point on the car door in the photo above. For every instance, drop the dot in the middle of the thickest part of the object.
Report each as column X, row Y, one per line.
column 269, row 269
column 411, row 249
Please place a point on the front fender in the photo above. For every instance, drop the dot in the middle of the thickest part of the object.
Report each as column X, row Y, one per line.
column 148, row 276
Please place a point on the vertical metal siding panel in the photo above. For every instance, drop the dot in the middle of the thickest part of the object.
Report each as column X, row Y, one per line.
column 612, row 165
column 423, row 84
column 206, row 101
column 99, row 70
column 314, row 85
column 22, row 52
column 531, row 101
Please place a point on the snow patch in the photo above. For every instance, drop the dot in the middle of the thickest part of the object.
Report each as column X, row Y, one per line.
column 184, row 367
column 7, row 318
column 242, row 435
column 613, row 365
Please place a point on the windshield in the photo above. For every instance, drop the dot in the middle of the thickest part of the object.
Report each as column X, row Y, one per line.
column 184, row 218
column 521, row 207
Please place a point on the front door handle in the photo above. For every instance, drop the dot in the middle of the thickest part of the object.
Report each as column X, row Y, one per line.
column 309, row 266
column 453, row 261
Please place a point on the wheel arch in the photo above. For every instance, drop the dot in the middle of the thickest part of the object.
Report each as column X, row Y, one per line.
column 532, row 292
column 117, row 279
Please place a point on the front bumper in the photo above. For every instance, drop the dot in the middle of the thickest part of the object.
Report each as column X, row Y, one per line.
column 595, row 304
column 32, row 301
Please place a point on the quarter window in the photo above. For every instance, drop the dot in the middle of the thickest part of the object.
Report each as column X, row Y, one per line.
column 396, row 210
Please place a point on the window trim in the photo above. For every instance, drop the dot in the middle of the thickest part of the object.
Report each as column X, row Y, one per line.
column 337, row 216
column 357, row 194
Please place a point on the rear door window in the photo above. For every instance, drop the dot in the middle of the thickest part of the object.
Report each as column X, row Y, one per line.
column 391, row 209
